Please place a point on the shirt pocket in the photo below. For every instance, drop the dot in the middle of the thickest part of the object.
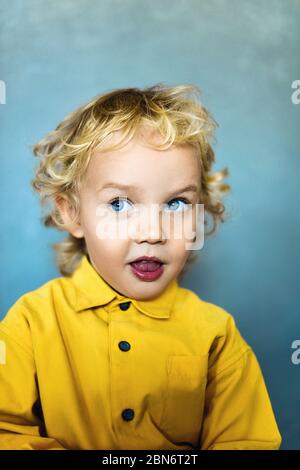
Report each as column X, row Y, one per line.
column 184, row 399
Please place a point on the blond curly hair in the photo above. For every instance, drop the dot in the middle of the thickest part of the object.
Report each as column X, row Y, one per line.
column 176, row 112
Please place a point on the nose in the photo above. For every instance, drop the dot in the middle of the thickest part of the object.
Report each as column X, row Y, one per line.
column 148, row 227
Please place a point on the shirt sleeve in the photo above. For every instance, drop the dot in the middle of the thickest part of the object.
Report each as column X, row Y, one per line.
column 21, row 423
column 238, row 414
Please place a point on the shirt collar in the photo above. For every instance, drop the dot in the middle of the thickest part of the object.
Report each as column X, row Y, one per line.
column 93, row 291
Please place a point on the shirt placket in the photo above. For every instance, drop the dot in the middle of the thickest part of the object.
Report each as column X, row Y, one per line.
column 123, row 380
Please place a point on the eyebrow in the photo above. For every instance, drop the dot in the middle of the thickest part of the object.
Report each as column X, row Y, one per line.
column 127, row 187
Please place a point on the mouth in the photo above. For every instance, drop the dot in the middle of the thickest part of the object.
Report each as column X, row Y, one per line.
column 147, row 259
column 147, row 268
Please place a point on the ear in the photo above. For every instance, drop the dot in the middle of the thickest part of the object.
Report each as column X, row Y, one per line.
column 67, row 212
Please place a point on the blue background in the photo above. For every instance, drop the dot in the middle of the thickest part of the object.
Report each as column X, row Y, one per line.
column 244, row 55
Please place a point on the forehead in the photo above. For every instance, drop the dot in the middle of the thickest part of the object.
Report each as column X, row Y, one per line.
column 138, row 163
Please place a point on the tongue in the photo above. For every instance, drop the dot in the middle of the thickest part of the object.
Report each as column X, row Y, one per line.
column 148, row 266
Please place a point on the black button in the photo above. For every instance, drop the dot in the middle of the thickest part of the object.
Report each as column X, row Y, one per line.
column 124, row 306
column 127, row 414
column 124, row 346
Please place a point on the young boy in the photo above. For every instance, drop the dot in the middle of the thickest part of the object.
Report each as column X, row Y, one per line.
column 114, row 354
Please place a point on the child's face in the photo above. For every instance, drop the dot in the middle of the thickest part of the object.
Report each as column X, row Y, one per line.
column 155, row 179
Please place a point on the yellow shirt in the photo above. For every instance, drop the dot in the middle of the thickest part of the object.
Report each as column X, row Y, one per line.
column 83, row 367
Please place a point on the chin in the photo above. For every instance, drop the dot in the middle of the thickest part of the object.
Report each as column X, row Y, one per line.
column 151, row 294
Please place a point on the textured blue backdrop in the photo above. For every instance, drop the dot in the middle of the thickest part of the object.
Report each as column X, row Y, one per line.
column 244, row 55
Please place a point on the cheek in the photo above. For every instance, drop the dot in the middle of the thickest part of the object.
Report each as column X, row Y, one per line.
column 109, row 248
column 107, row 255
column 182, row 225
column 103, row 245
column 190, row 223
column 92, row 222
column 101, row 242
column 178, row 250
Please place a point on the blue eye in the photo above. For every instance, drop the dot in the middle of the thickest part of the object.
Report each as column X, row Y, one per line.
column 178, row 199
column 119, row 202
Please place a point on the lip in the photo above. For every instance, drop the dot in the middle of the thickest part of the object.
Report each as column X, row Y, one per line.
column 147, row 275
column 147, row 258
